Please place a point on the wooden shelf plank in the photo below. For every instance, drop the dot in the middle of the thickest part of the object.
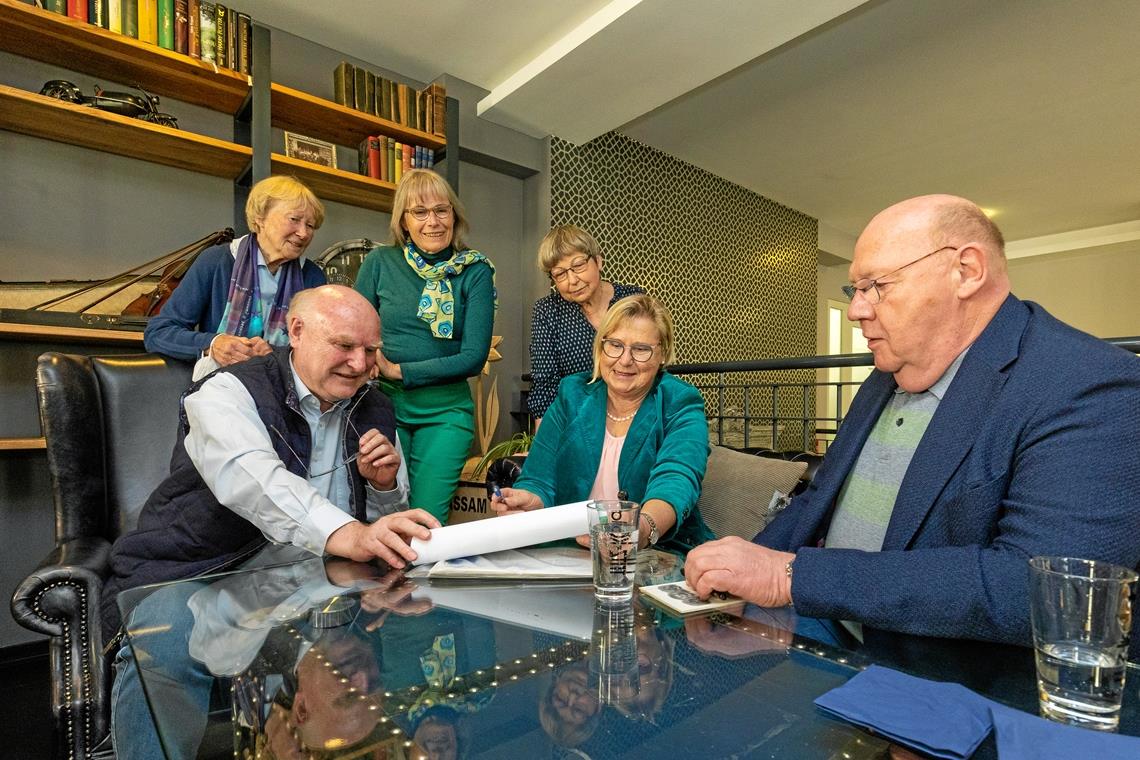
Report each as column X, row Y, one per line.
column 40, row 116
column 337, row 184
column 63, row 41
column 22, row 444
column 21, row 331
column 300, row 112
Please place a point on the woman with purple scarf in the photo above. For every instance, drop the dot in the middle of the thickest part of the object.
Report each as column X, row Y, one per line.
column 231, row 304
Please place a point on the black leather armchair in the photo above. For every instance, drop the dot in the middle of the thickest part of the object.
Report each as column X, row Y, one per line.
column 110, row 425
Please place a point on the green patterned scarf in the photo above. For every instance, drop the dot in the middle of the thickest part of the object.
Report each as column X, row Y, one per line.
column 437, row 301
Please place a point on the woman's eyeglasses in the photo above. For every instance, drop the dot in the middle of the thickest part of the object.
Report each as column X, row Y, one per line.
column 640, row 352
column 577, row 266
column 442, row 212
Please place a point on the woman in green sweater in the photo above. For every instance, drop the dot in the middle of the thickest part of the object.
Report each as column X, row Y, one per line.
column 436, row 299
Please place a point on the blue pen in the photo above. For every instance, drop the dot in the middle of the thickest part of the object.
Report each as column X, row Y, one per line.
column 496, row 491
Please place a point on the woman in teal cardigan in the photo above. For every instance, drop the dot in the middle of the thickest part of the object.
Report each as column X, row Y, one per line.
column 640, row 430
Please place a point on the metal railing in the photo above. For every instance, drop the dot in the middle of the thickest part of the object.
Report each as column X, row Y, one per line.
column 756, row 404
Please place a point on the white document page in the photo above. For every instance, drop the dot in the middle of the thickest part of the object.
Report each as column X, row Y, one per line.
column 501, row 533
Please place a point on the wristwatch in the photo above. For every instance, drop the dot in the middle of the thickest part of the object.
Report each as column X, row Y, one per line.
column 654, row 536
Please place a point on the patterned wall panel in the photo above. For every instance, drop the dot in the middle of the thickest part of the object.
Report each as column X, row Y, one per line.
column 737, row 269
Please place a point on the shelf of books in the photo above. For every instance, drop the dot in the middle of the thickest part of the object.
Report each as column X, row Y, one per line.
column 40, row 116
column 64, row 41
column 336, row 184
column 298, row 111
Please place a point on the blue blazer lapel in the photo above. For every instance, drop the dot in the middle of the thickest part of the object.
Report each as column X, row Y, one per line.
column 957, row 421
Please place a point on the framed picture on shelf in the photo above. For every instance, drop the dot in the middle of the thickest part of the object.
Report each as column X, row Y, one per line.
column 310, row 149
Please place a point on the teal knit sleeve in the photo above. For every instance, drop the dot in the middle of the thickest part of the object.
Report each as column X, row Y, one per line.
column 681, row 461
column 477, row 292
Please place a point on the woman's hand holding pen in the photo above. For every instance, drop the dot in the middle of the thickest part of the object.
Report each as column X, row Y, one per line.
column 505, row 501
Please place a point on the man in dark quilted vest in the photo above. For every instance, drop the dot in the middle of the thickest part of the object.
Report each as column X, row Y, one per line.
column 292, row 448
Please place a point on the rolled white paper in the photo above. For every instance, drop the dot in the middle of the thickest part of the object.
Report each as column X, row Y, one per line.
column 497, row 534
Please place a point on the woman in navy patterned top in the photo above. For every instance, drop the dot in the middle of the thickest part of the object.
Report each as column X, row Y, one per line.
column 564, row 323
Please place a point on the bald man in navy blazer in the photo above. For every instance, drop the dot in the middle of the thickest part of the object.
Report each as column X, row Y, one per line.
column 1024, row 441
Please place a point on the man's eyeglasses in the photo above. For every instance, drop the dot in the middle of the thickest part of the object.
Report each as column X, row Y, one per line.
column 640, row 352
column 577, row 266
column 442, row 212
column 870, row 288
column 347, row 418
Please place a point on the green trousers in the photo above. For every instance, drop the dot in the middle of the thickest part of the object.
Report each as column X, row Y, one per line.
column 436, row 425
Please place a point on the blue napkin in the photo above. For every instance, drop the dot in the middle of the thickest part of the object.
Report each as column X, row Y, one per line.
column 945, row 720
column 1021, row 736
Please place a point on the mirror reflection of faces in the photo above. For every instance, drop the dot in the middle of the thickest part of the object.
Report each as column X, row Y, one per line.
column 570, row 709
column 436, row 739
column 336, row 704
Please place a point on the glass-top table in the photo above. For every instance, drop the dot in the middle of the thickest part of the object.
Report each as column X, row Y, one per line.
column 297, row 657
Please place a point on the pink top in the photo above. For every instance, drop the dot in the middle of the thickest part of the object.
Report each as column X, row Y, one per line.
column 606, row 482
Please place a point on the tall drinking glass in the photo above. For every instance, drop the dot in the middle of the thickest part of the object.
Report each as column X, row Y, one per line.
column 613, row 653
column 613, row 546
column 1081, row 611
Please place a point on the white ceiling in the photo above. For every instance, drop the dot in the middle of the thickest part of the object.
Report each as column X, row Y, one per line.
column 836, row 108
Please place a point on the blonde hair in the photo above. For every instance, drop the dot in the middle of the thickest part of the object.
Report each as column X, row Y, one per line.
column 564, row 240
column 638, row 306
column 419, row 184
column 288, row 191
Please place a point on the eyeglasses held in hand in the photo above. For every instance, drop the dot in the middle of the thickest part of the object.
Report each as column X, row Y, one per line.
column 347, row 418
column 442, row 212
column 870, row 288
column 640, row 352
column 577, row 266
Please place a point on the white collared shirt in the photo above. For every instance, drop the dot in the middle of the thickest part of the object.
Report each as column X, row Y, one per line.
column 233, row 452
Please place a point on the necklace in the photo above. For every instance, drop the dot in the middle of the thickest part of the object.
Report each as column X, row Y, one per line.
column 629, row 416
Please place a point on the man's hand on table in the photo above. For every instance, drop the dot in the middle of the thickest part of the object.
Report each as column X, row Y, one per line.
column 752, row 572
column 386, row 539
column 739, row 637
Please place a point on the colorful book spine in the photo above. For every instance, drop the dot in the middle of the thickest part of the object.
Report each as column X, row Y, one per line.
column 194, row 14
column 131, row 18
column 384, row 158
column 439, row 109
column 397, row 162
column 221, row 16
column 231, row 39
column 182, row 26
column 97, row 13
column 385, row 86
column 372, row 154
column 148, row 21
column 430, row 158
column 244, row 42
column 77, row 9
column 360, row 102
column 56, row 6
column 115, row 15
column 344, row 84
column 166, row 24
column 208, row 29
column 407, row 157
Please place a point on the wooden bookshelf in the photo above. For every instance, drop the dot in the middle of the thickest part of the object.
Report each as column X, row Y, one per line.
column 298, row 111
column 63, row 41
column 40, row 116
column 22, row 331
column 22, row 444
column 336, row 184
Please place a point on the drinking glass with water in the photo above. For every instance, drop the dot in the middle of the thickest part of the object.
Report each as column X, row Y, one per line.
column 1081, row 611
column 613, row 547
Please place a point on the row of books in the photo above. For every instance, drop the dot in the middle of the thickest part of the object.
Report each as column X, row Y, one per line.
column 386, row 159
column 425, row 110
column 204, row 30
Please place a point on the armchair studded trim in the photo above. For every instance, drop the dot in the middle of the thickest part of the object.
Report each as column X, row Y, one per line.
column 110, row 424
